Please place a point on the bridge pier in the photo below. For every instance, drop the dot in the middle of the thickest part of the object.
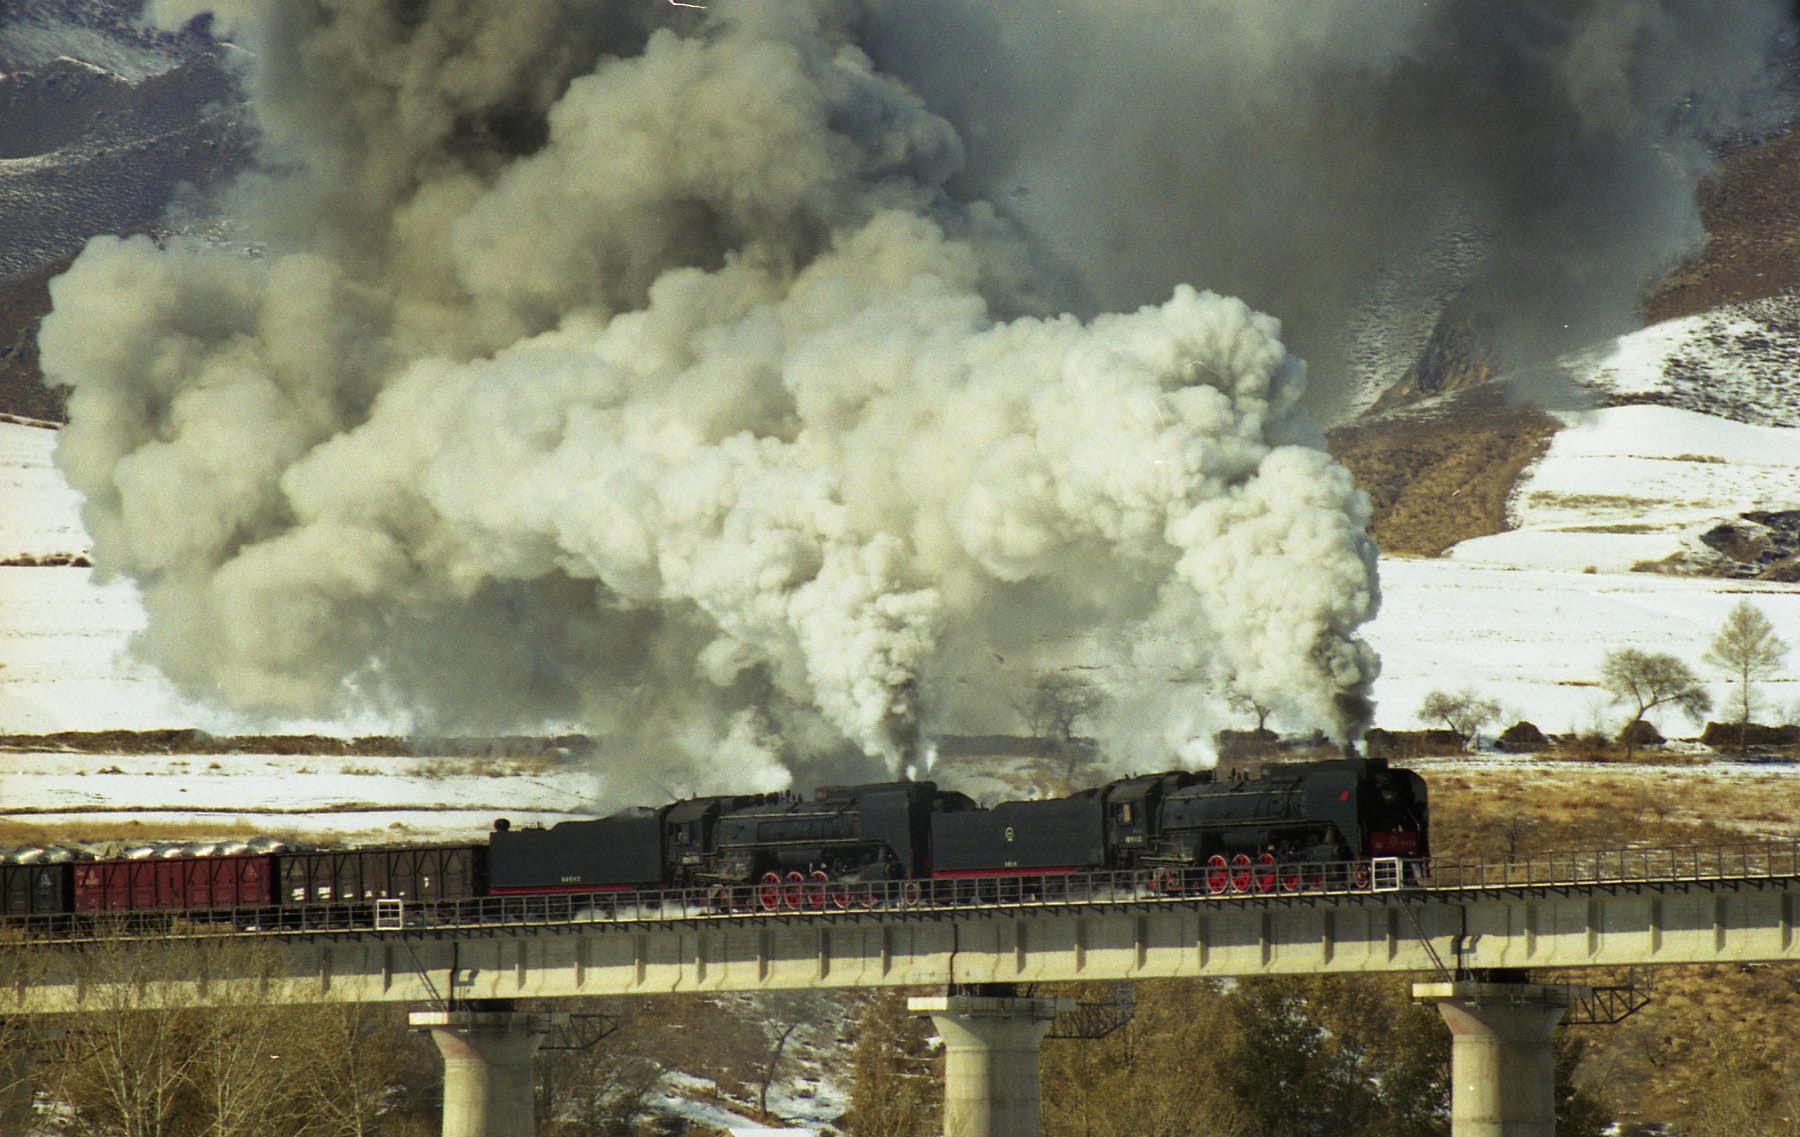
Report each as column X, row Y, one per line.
column 1502, row 1069
column 489, row 1087
column 990, row 1059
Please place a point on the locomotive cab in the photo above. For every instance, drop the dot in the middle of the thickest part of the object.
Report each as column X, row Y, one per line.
column 1394, row 813
column 690, row 832
column 1134, row 805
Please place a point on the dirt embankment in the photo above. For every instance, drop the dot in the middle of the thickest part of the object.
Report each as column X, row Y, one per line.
column 1442, row 477
column 1752, row 215
column 1711, row 1048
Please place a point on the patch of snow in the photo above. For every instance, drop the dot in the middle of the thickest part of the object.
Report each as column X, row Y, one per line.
column 28, row 44
column 1639, row 483
column 1735, row 362
column 337, row 796
column 681, row 1095
column 39, row 513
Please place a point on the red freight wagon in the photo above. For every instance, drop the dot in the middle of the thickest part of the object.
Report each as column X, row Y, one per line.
column 188, row 884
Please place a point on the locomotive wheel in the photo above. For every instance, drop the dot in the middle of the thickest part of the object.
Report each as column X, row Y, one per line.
column 1240, row 872
column 1265, row 872
column 815, row 890
column 868, row 897
column 909, row 893
column 839, row 894
column 794, row 890
column 1218, row 877
column 768, row 894
column 1290, row 877
column 1164, row 882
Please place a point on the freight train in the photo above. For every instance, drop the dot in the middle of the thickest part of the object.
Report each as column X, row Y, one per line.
column 1300, row 826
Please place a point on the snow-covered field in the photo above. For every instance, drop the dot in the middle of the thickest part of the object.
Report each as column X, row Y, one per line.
column 1533, row 639
column 368, row 799
column 1639, row 483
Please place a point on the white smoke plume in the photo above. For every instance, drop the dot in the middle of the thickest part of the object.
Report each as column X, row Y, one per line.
column 653, row 378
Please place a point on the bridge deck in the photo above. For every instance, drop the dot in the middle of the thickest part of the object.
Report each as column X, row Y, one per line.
column 1634, row 907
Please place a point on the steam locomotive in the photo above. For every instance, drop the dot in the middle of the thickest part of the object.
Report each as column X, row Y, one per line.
column 1296, row 826
column 1309, row 825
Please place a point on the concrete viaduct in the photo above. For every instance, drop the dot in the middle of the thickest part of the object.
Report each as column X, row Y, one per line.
column 1476, row 930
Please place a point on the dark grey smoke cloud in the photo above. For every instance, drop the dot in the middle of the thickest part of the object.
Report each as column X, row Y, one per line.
column 1336, row 164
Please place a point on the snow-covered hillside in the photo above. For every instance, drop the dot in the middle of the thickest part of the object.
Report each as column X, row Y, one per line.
column 40, row 515
column 1738, row 362
column 1533, row 639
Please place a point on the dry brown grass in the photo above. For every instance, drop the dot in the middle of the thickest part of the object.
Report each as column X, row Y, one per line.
column 1435, row 482
column 1705, row 1026
column 1479, row 814
column 103, row 830
column 1752, row 249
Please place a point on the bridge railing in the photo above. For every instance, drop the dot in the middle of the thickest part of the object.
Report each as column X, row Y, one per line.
column 793, row 896
column 1626, row 866
column 808, row 897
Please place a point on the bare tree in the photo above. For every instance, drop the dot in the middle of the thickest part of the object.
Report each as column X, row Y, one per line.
column 348, row 1059
column 1747, row 649
column 139, row 1062
column 1464, row 712
column 1250, row 705
column 893, row 1091
column 1052, row 705
column 1647, row 680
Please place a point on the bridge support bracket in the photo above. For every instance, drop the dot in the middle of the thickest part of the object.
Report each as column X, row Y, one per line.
column 990, row 1060
column 1502, row 1071
column 488, row 1082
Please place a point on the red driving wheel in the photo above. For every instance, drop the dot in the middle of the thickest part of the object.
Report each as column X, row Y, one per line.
column 768, row 894
column 1218, row 877
column 1265, row 872
column 1240, row 872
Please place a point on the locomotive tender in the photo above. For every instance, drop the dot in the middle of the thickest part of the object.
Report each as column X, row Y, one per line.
column 1304, row 825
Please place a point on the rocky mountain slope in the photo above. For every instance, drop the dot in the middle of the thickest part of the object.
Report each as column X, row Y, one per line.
column 105, row 127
